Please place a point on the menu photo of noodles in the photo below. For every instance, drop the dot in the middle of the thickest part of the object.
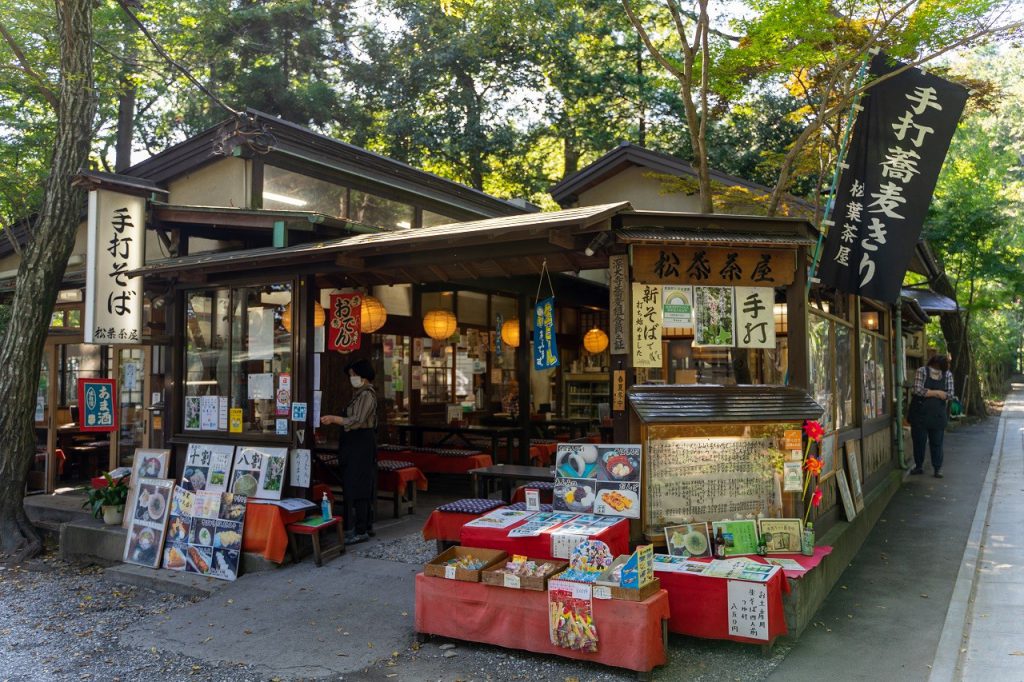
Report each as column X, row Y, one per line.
column 148, row 523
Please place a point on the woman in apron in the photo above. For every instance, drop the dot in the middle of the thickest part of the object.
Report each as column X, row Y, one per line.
column 933, row 389
column 357, row 452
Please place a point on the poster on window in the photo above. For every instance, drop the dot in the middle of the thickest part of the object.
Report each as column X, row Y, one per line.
column 647, row 312
column 261, row 333
column 678, row 306
column 343, row 335
column 259, row 472
column 207, row 466
column 116, row 245
column 97, row 400
column 715, row 323
column 755, row 317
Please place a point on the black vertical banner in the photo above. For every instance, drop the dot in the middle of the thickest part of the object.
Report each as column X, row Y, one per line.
column 899, row 142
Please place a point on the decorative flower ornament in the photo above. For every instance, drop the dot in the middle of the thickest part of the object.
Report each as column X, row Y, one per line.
column 816, row 498
column 814, row 430
column 812, row 465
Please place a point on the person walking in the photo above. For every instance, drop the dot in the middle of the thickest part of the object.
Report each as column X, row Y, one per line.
column 933, row 389
column 357, row 452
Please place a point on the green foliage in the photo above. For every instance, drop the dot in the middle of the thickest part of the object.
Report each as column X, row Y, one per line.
column 114, row 494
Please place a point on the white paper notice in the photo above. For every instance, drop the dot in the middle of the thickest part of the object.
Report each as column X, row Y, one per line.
column 562, row 544
column 319, row 337
column 261, row 334
column 299, row 468
column 222, row 413
column 791, row 482
column 281, row 427
column 261, row 386
column 755, row 317
column 748, row 609
column 208, row 412
column 677, row 302
column 316, row 371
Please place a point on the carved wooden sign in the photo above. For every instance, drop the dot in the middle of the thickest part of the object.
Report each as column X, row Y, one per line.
column 715, row 266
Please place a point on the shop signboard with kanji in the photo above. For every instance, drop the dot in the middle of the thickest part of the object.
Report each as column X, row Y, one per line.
column 346, row 309
column 97, row 404
column 713, row 266
column 116, row 245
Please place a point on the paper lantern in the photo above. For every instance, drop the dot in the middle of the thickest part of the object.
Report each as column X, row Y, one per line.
column 439, row 324
column 595, row 341
column 319, row 316
column 372, row 316
column 510, row 333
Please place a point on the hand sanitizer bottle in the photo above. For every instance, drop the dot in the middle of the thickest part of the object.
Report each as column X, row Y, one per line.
column 325, row 508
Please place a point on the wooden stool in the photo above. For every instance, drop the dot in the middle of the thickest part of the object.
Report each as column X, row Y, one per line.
column 302, row 528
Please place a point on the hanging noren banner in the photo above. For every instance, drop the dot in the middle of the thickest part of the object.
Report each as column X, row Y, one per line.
column 545, row 348
column 345, row 313
column 898, row 145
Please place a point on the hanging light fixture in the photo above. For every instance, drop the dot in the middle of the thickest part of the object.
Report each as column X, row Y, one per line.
column 372, row 316
column 510, row 333
column 319, row 316
column 439, row 324
column 595, row 341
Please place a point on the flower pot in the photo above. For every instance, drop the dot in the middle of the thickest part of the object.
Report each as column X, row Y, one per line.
column 113, row 515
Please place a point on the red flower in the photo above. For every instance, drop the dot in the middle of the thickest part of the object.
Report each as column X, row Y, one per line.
column 816, row 498
column 813, row 430
column 813, row 466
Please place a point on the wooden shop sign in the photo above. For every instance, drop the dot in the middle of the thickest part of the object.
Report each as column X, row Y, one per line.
column 713, row 266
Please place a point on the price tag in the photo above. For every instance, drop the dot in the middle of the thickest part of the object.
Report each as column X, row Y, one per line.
column 512, row 581
column 602, row 592
column 449, row 572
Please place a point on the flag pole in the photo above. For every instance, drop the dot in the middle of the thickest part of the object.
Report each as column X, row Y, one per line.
column 840, row 162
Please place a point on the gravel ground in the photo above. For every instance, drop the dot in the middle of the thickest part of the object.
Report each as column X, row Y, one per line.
column 408, row 549
column 61, row 623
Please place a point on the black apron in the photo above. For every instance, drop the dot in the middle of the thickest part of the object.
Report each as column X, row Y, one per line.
column 357, row 453
column 930, row 413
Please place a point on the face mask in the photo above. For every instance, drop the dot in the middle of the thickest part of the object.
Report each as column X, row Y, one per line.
column 356, row 381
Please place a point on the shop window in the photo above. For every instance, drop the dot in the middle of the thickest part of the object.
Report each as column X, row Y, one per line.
column 472, row 308
column 287, row 191
column 238, row 356
column 831, row 369
column 370, row 209
column 78, row 361
column 874, row 359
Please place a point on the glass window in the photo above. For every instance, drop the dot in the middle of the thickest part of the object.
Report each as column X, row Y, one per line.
column 370, row 209
column 819, row 365
column 238, row 352
column 287, row 191
column 78, row 360
column 844, row 375
column 430, row 219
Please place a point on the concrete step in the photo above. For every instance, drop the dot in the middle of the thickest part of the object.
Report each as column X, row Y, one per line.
column 56, row 508
column 162, row 580
column 91, row 542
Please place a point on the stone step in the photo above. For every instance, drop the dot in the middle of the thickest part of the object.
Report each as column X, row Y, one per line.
column 163, row 580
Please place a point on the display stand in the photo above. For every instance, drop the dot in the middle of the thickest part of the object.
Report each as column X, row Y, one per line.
column 631, row 635
column 265, row 531
column 700, row 606
column 539, row 547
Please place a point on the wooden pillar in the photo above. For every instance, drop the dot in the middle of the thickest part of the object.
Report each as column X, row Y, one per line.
column 523, row 377
column 797, row 321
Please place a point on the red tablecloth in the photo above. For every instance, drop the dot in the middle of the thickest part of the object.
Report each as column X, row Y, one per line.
column 539, row 547
column 629, row 633
column 264, row 530
column 431, row 463
column 441, row 525
column 700, row 606
column 398, row 479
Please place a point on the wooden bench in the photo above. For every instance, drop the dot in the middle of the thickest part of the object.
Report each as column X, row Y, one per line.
column 398, row 481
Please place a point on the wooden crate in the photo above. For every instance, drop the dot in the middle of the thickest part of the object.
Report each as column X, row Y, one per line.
column 437, row 567
column 495, row 576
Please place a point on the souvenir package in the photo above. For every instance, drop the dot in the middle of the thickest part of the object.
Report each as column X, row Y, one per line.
column 570, row 616
column 463, row 563
column 587, row 561
column 521, row 572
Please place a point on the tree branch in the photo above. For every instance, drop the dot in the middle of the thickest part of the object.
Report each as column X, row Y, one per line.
column 44, row 87
column 648, row 43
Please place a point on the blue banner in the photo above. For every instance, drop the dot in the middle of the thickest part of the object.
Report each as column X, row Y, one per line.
column 545, row 349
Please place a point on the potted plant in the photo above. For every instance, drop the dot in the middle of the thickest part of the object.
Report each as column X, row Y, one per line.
column 109, row 500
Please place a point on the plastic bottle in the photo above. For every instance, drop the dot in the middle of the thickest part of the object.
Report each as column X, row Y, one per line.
column 807, row 541
column 325, row 508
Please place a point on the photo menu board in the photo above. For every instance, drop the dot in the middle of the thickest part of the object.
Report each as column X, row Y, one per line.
column 598, row 479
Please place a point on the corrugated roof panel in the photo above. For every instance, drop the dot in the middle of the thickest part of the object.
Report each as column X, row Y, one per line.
column 654, row 234
column 704, row 403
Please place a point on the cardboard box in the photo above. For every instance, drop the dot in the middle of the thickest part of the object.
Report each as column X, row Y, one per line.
column 605, row 580
column 438, row 568
column 495, row 576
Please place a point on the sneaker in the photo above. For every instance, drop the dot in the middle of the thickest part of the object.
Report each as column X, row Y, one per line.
column 917, row 471
column 938, row 474
column 356, row 539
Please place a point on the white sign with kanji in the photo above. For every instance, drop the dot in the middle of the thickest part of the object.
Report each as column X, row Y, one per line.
column 755, row 317
column 748, row 609
column 116, row 246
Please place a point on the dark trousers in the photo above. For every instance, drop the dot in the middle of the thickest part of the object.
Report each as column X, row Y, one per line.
column 357, row 515
column 933, row 437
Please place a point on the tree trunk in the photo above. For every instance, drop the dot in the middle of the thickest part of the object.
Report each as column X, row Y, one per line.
column 40, row 274
column 958, row 341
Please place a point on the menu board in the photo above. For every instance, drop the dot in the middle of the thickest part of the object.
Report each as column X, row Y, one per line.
column 259, row 472
column 709, row 478
column 207, row 466
column 205, row 533
column 148, row 522
column 599, row 479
